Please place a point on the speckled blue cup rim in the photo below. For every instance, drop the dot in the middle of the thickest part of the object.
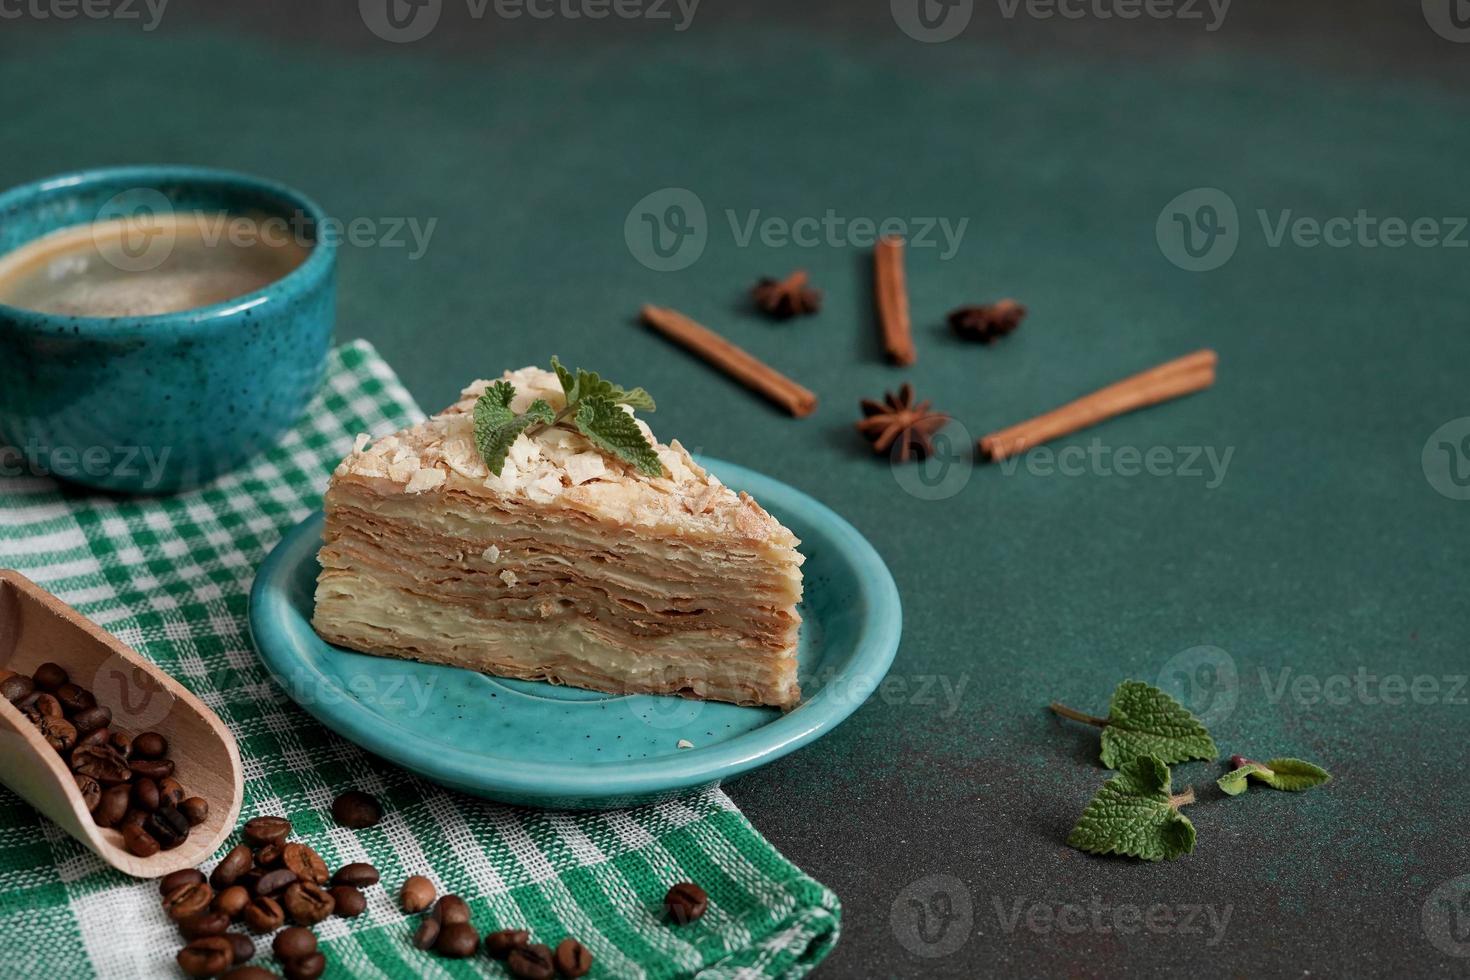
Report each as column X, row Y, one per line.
column 200, row 319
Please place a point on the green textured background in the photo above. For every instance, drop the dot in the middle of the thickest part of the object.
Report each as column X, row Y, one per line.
column 1324, row 551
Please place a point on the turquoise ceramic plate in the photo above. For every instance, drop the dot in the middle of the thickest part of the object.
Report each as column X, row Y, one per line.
column 537, row 744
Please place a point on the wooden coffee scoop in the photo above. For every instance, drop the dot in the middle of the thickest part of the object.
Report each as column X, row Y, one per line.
column 36, row 627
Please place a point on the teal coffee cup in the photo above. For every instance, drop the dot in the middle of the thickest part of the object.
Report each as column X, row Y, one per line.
column 159, row 325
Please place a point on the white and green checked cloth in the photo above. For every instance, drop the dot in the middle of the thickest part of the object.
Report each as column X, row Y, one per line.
column 170, row 576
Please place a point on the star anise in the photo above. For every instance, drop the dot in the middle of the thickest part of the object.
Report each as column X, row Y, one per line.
column 897, row 421
column 987, row 322
column 786, row 298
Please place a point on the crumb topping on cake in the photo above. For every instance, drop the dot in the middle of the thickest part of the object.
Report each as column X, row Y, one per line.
column 556, row 465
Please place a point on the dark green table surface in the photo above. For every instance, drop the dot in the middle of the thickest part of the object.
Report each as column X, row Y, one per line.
column 1322, row 573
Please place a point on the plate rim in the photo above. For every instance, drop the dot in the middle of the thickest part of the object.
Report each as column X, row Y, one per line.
column 272, row 623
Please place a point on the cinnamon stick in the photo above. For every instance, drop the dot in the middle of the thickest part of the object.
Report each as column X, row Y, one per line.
column 737, row 363
column 1172, row 379
column 891, row 294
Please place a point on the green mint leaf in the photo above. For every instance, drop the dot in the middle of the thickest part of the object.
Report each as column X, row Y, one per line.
column 1143, row 720
column 496, row 426
column 1134, row 814
column 1293, row 775
column 613, row 430
column 589, row 384
column 1233, row 782
column 567, row 379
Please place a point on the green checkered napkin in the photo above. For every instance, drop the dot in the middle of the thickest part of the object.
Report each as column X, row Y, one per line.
column 169, row 576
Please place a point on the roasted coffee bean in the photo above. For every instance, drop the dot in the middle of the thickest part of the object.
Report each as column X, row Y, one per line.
column 244, row 946
column 97, row 736
column 427, row 934
column 45, row 704
column 74, row 698
column 260, row 831
column 232, row 900
column 91, row 791
column 145, row 794
column 134, row 818
column 26, row 703
column 168, row 827
column 531, row 962
column 250, row 972
column 49, row 676
column 264, row 914
column 114, row 805
column 356, row 809
column 307, row 903
column 457, row 940
column 307, row 864
column 102, row 763
column 350, row 902
column 187, row 900
column 499, row 944
column 119, row 742
column 171, row 793
column 451, row 908
column 231, row 867
column 207, row 957
column 268, row 856
column 138, row 842
column 93, row 718
column 275, row 881
column 152, row 768
column 150, row 745
column 59, row 733
column 17, row 688
column 572, row 959
column 417, row 894
column 357, row 874
column 686, row 902
column 210, row 923
column 307, row 967
column 174, row 879
column 195, row 809
column 249, row 881
column 293, row 942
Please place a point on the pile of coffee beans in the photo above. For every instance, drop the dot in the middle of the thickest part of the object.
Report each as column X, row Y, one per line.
column 128, row 783
column 268, row 880
column 447, row 930
column 264, row 882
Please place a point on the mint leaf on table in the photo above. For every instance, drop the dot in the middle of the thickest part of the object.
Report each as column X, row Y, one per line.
column 1134, row 814
column 1293, row 775
column 1143, row 720
column 613, row 430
